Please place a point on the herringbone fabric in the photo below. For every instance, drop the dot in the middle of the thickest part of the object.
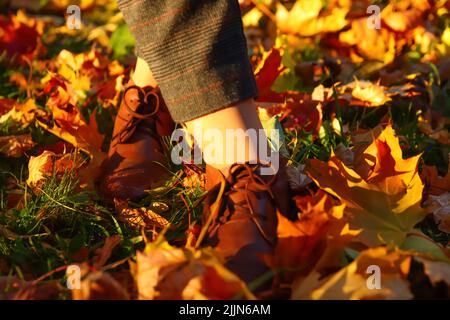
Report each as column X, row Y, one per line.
column 196, row 50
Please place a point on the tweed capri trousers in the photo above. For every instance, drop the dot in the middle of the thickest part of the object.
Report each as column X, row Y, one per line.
column 196, row 50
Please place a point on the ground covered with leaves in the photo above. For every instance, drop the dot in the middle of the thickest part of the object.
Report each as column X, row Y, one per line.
column 364, row 103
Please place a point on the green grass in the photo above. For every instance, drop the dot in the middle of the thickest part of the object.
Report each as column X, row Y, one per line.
column 53, row 224
column 58, row 220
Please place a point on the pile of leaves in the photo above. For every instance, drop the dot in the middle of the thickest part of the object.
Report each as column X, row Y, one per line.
column 363, row 102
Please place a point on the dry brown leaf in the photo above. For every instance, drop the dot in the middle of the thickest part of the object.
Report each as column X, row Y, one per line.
column 98, row 285
column 7, row 234
column 16, row 146
column 140, row 217
column 194, row 179
column 434, row 183
column 166, row 272
column 47, row 164
column 351, row 282
column 13, row 288
column 434, row 125
column 297, row 177
column 104, row 253
column 439, row 207
column 436, row 271
column 346, row 154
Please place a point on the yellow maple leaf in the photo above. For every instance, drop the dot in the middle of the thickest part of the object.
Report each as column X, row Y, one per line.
column 306, row 19
column 382, row 191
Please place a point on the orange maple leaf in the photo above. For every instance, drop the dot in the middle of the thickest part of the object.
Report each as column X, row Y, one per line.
column 321, row 228
column 165, row 272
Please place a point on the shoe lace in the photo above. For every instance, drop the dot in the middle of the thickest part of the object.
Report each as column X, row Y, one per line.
column 252, row 183
column 146, row 98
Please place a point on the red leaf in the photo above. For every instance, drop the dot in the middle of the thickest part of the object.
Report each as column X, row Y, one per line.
column 266, row 74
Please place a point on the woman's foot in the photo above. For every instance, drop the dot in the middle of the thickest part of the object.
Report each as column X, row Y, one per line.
column 136, row 160
column 241, row 210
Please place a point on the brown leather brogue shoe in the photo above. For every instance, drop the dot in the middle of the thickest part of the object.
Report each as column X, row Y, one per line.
column 240, row 215
column 136, row 158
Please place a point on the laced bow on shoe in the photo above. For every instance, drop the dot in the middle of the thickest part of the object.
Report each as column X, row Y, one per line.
column 150, row 99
